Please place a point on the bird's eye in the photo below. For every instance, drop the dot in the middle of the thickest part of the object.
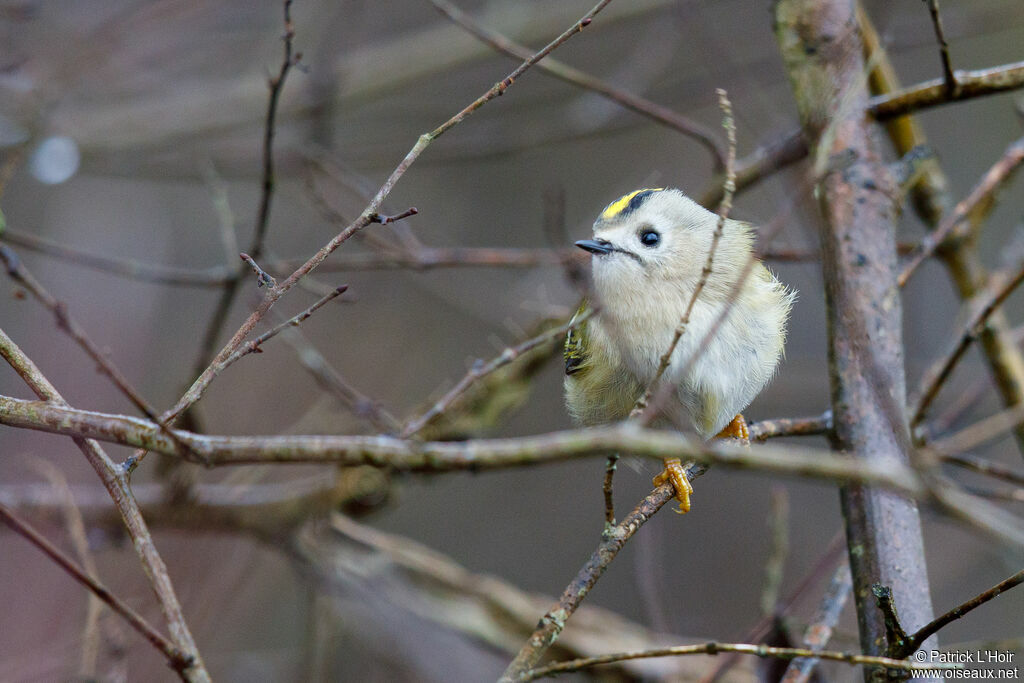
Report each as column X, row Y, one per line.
column 650, row 238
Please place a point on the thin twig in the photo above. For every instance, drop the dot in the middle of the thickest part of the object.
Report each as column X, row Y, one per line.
column 776, row 155
column 122, row 267
column 998, row 289
column 17, row 271
column 67, row 506
column 199, row 386
column 826, row 561
column 950, row 227
column 384, row 220
column 948, row 77
column 965, row 400
column 609, row 490
column 568, row 74
column 763, row 651
column 778, row 527
column 819, row 632
column 422, row 259
column 263, row 278
column 790, row 426
column 551, row 625
column 915, row 640
column 970, row 84
column 331, row 381
column 254, row 346
column 932, row 200
column 177, row 659
column 481, row 369
column 986, row 467
column 979, row 432
column 275, row 85
column 644, row 411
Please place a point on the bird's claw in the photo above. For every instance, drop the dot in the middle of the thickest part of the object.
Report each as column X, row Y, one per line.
column 676, row 475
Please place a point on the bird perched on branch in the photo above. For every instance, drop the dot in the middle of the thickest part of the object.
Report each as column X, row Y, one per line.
column 650, row 252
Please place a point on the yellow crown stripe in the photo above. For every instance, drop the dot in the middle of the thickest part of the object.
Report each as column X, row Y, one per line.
column 620, row 204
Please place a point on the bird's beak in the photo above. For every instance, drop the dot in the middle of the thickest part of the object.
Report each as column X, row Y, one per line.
column 598, row 247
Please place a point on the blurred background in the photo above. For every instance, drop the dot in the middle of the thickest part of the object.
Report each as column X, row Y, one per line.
column 134, row 131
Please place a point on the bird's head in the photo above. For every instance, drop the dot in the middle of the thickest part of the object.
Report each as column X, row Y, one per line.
column 650, row 238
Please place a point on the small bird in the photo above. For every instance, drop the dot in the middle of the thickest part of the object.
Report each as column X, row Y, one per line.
column 649, row 250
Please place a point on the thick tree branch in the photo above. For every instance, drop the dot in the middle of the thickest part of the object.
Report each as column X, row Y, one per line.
column 823, row 53
column 970, row 84
column 447, row 456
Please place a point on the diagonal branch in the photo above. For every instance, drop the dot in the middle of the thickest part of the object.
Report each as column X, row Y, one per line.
column 915, row 640
column 568, row 74
column 368, row 215
column 116, row 482
column 481, row 369
column 177, row 659
column 953, row 226
column 552, row 623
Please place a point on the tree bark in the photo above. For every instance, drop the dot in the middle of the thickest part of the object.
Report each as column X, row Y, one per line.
column 822, row 49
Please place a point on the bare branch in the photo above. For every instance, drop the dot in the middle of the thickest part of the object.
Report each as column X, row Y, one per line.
column 551, row 625
column 986, row 467
column 951, row 227
column 773, row 156
column 275, row 85
column 263, row 278
column 775, row 563
column 782, row 427
column 116, row 482
column 255, row 345
column 915, row 640
column 384, row 220
column 645, row 410
column 859, row 207
column 970, row 84
column 763, row 651
column 998, row 289
column 663, row 115
column 178, row 660
column 762, row 628
column 481, row 369
column 948, row 78
column 824, row 621
column 198, row 387
column 17, row 271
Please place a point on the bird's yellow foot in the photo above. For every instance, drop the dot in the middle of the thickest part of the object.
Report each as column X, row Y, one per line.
column 737, row 429
column 675, row 474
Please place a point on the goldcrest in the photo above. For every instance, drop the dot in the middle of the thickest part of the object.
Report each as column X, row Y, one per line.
column 648, row 251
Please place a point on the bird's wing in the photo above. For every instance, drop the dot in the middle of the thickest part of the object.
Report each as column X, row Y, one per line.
column 575, row 350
